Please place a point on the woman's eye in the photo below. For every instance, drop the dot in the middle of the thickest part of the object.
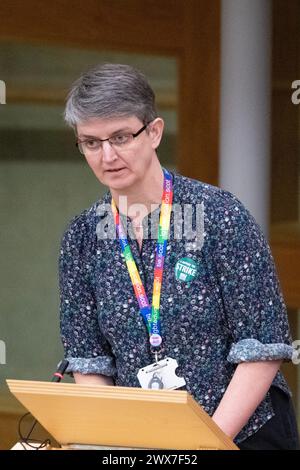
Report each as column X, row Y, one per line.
column 119, row 139
column 91, row 144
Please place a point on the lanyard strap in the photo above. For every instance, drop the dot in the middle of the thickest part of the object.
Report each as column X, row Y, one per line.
column 151, row 316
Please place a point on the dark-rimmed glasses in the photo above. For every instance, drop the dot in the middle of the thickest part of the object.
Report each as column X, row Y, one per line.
column 118, row 141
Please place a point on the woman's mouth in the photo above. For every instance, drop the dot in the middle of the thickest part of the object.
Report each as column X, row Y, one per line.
column 115, row 170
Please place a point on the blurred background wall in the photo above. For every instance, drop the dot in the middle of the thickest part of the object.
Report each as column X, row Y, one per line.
column 44, row 182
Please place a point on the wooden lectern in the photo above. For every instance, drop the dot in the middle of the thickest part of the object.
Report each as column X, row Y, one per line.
column 120, row 417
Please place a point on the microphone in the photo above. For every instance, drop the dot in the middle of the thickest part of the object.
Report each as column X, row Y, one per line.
column 61, row 369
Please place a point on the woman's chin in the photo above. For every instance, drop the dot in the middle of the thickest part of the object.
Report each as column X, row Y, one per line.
column 119, row 180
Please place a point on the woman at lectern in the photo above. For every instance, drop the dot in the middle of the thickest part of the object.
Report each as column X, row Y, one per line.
column 168, row 282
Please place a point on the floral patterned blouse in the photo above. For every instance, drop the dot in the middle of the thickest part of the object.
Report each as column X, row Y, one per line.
column 226, row 310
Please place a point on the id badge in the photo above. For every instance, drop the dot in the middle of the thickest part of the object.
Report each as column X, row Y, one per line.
column 160, row 375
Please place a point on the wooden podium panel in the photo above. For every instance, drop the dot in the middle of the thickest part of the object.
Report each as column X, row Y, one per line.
column 120, row 416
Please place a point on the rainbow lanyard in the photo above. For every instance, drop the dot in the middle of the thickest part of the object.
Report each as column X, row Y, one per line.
column 151, row 316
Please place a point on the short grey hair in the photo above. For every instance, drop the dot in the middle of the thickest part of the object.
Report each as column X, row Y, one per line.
column 110, row 90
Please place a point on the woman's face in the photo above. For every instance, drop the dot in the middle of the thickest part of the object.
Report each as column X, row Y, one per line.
column 116, row 164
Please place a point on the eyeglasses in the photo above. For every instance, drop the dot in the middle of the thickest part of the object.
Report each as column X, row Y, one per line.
column 119, row 141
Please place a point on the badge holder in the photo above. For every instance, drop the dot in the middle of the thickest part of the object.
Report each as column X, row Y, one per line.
column 160, row 375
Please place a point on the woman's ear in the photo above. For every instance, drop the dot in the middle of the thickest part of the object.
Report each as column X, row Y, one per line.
column 156, row 128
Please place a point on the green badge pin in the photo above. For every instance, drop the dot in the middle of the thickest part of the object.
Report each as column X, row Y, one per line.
column 186, row 269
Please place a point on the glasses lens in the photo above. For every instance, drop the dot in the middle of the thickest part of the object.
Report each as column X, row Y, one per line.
column 121, row 140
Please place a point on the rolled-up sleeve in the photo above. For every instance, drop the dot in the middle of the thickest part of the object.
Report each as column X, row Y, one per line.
column 85, row 347
column 254, row 309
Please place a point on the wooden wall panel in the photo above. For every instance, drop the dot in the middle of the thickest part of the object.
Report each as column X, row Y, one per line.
column 285, row 115
column 111, row 24
column 285, row 156
column 199, row 91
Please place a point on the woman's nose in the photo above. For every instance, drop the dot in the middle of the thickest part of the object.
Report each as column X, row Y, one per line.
column 108, row 152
